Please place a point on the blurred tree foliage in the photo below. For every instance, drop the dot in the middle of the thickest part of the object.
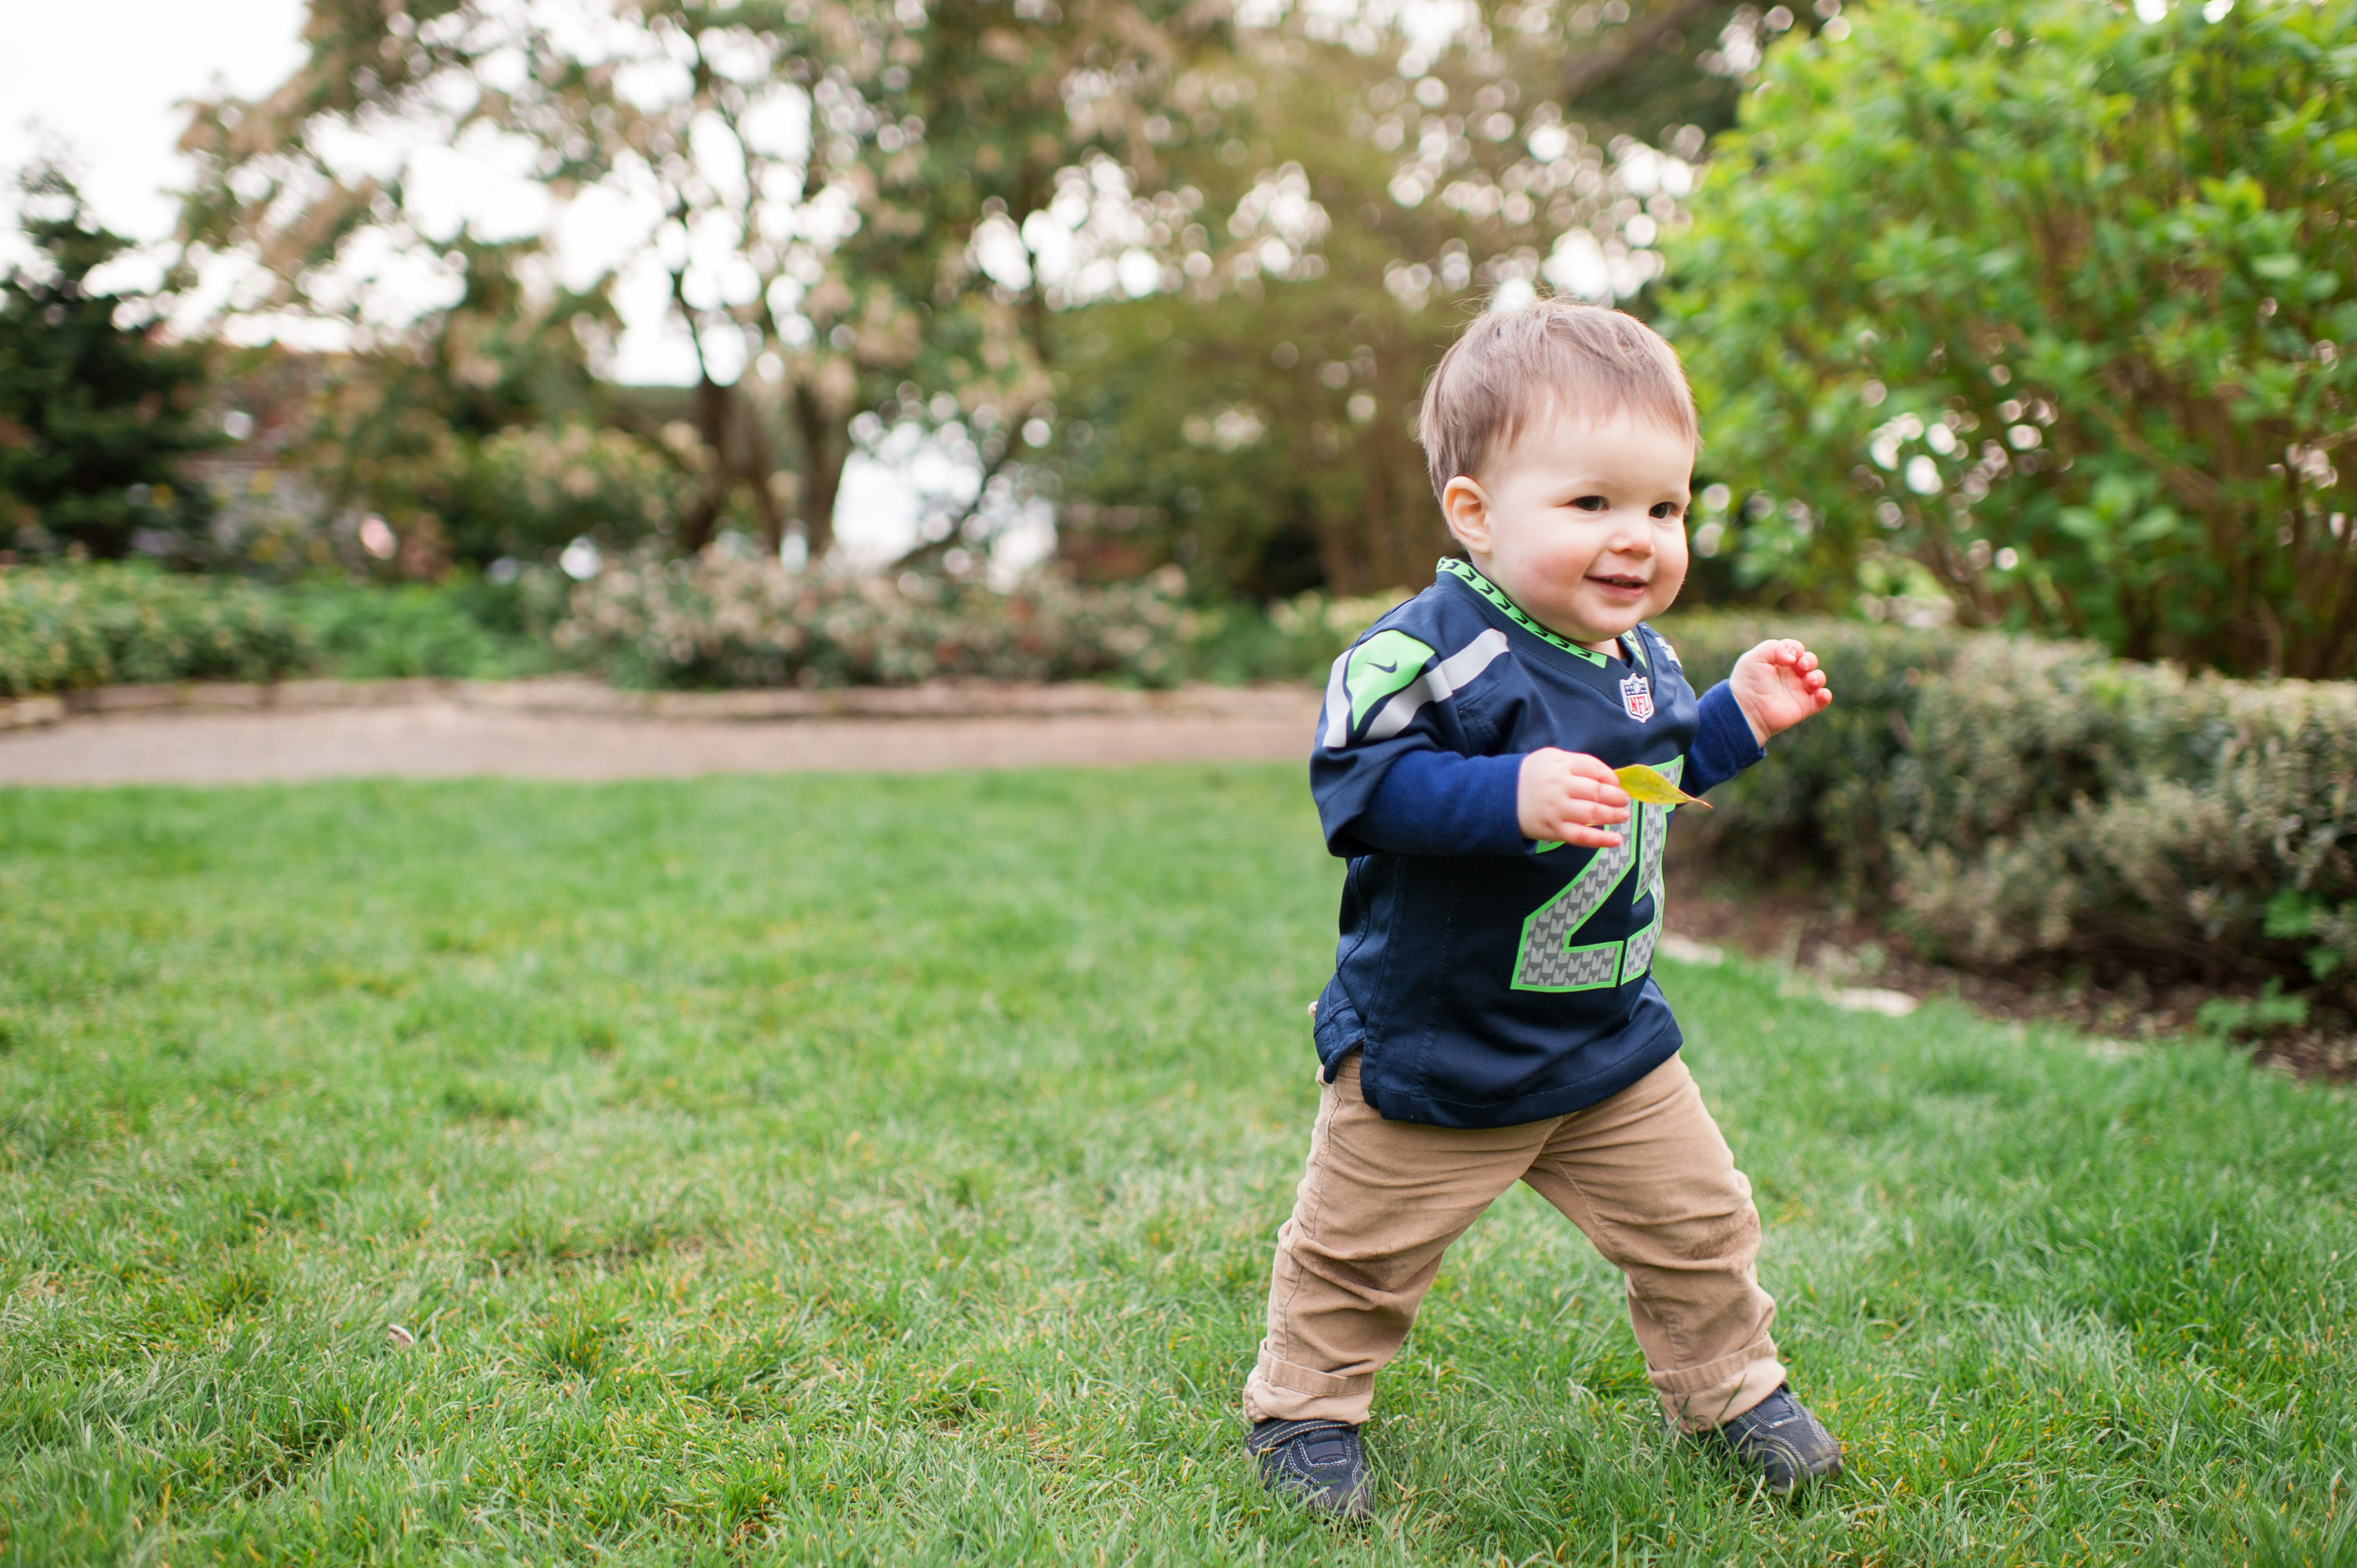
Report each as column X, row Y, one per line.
column 1255, row 420
column 2055, row 304
column 97, row 411
column 1188, row 266
column 811, row 175
column 481, row 431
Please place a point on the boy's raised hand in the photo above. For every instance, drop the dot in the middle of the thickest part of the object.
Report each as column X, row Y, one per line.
column 1569, row 797
column 1777, row 686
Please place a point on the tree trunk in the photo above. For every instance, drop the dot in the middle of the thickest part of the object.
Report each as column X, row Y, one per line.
column 1336, row 554
column 730, row 428
column 755, row 466
column 1393, row 537
column 711, row 406
column 824, row 434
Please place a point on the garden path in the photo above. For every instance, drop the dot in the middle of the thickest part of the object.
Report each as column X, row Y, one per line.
column 439, row 737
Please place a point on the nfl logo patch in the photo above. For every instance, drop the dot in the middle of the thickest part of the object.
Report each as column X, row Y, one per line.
column 1638, row 698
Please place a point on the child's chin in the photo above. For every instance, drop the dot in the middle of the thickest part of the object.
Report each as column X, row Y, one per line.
column 1607, row 621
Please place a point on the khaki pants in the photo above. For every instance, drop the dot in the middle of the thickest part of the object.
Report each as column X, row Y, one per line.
column 1645, row 1175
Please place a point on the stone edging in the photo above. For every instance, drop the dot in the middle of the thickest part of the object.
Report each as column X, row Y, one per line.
column 577, row 696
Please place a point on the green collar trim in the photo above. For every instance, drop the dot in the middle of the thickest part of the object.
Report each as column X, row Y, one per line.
column 1470, row 576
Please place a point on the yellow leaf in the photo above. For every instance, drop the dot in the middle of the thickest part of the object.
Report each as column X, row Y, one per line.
column 1644, row 784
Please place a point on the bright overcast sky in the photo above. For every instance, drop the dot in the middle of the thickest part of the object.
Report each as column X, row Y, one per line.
column 104, row 80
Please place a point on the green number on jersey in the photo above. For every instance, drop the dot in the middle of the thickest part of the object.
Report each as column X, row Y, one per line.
column 1548, row 959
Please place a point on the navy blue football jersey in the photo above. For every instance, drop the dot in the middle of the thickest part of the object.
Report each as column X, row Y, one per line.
column 1490, row 981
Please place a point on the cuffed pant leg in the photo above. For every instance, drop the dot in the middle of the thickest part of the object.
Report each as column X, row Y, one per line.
column 1377, row 1207
column 1652, row 1184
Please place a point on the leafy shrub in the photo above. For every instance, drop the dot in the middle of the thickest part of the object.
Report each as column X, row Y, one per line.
column 2054, row 304
column 107, row 625
column 721, row 620
column 2012, row 799
column 349, row 446
column 458, row 629
column 525, row 492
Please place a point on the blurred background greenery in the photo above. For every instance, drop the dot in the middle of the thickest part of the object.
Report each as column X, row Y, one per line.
column 2010, row 313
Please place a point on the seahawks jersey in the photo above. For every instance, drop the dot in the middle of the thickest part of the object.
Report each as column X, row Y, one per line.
column 1486, row 980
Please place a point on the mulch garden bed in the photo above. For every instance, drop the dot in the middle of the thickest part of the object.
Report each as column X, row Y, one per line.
column 1835, row 944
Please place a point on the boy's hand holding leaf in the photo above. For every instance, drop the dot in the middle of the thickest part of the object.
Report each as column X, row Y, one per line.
column 1569, row 797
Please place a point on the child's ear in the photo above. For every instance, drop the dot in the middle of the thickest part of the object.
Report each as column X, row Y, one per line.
column 1466, row 509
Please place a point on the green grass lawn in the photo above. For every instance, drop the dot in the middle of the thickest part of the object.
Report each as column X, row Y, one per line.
column 886, row 1169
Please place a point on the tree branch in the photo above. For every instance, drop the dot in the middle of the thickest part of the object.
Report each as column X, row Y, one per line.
column 932, row 550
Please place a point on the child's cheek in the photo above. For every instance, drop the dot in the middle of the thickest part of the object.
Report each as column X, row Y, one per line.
column 1567, row 561
column 1671, row 572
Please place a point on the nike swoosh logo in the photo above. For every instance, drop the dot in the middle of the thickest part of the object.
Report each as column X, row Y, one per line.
column 1387, row 669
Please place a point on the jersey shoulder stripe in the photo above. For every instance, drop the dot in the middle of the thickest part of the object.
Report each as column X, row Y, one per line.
column 1448, row 677
column 1426, row 650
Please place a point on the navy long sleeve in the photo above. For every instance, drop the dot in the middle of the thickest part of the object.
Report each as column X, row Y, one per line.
column 1438, row 802
column 1723, row 745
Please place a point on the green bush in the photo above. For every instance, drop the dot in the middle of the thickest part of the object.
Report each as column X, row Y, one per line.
column 2010, row 799
column 464, row 629
column 2054, row 304
column 1826, row 803
column 714, row 622
column 113, row 625
column 526, row 491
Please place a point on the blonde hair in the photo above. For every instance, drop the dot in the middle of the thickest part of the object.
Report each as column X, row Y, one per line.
column 1512, row 366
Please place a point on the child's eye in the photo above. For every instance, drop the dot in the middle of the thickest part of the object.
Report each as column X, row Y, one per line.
column 1666, row 510
column 1592, row 503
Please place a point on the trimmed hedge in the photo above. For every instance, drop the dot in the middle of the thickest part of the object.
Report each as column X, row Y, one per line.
column 105, row 625
column 716, row 620
column 2010, row 800
column 711, row 622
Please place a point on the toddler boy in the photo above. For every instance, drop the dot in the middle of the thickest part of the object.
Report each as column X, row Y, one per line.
column 1492, row 1016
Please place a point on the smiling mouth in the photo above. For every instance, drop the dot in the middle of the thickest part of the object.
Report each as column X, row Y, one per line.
column 1624, row 583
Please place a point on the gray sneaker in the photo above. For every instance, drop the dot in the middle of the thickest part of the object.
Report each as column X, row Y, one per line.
column 1781, row 1445
column 1319, row 1462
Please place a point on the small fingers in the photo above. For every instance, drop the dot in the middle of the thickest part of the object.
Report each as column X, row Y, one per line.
column 1602, row 794
column 1583, row 765
column 1587, row 825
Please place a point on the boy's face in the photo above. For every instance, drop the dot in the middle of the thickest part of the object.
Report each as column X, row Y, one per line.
column 1583, row 524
